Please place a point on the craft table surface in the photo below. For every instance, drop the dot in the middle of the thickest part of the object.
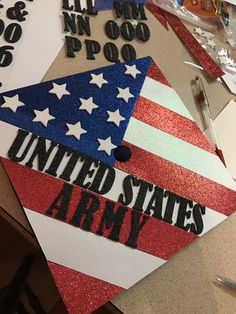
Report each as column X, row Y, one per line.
column 186, row 284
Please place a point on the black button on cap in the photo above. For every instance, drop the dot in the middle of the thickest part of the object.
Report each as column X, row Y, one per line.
column 122, row 153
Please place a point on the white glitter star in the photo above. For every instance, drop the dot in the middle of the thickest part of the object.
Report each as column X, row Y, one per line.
column 106, row 145
column 198, row 31
column 87, row 104
column 59, row 90
column 98, row 80
column 223, row 60
column 132, row 70
column 12, row 103
column 75, row 130
column 230, row 62
column 115, row 117
column 223, row 52
column 43, row 116
column 207, row 35
column 124, row 93
column 211, row 43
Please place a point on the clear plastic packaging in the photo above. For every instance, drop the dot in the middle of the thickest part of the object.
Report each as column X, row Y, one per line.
column 227, row 14
column 172, row 6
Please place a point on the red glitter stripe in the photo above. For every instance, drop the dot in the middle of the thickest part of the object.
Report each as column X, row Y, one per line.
column 193, row 45
column 82, row 294
column 155, row 73
column 181, row 181
column 155, row 10
column 157, row 237
column 170, row 122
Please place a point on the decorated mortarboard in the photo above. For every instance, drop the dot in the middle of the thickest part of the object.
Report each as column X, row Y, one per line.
column 113, row 174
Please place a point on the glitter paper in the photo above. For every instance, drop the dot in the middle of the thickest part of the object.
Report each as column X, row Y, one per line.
column 196, row 49
column 169, row 121
column 165, row 96
column 36, row 98
column 179, row 180
column 81, row 293
column 155, row 73
column 155, row 10
column 47, row 188
column 131, row 218
column 157, row 142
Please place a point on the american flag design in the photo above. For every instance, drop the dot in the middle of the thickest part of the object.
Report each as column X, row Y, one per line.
column 174, row 173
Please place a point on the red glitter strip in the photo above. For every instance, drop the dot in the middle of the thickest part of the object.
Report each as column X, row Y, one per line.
column 82, row 294
column 181, row 181
column 155, row 10
column 192, row 44
column 157, row 237
column 170, row 122
column 155, row 73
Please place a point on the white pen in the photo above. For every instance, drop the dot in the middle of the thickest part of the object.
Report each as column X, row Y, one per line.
column 203, row 101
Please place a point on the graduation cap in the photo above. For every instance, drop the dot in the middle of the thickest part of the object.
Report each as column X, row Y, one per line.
column 113, row 174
